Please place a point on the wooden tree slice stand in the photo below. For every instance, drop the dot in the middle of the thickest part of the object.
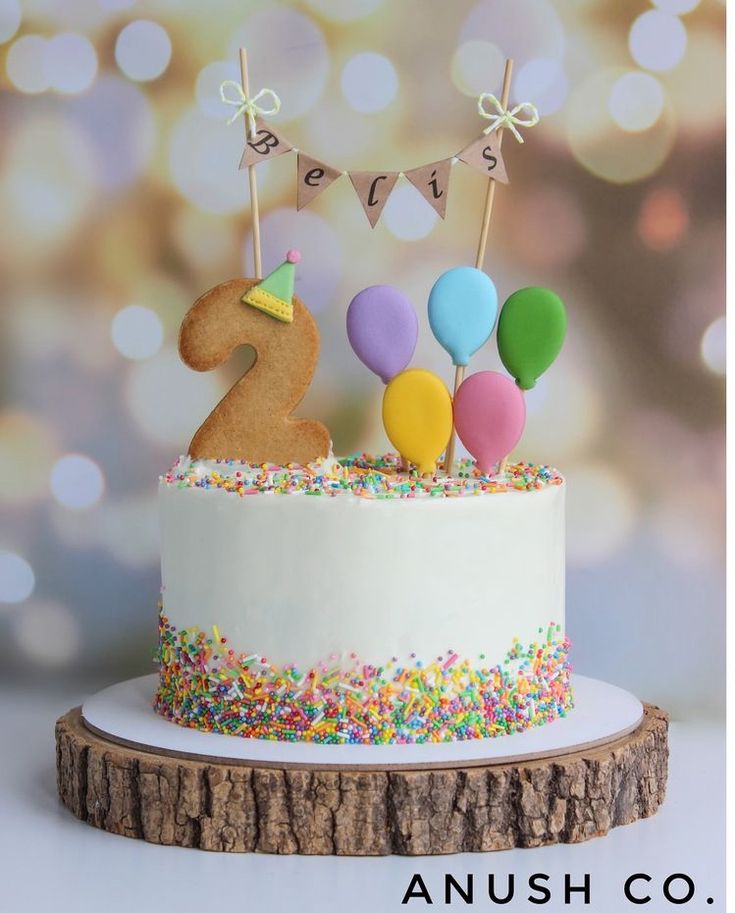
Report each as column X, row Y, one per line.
column 231, row 805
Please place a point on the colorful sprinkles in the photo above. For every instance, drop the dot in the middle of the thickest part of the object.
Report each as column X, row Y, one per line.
column 366, row 476
column 206, row 685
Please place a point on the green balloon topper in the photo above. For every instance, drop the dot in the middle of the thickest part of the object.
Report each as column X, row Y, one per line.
column 531, row 331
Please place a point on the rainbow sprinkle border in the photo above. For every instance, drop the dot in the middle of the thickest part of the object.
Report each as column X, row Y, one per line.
column 206, row 685
column 363, row 475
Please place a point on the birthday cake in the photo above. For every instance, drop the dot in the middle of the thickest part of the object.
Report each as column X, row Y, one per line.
column 405, row 598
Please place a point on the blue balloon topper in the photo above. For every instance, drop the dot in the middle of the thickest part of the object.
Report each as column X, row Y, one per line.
column 463, row 305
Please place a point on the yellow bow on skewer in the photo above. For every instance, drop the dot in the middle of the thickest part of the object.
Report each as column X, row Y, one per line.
column 507, row 117
column 248, row 106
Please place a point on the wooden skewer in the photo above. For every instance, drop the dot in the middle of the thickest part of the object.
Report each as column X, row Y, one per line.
column 490, row 199
column 482, row 245
column 449, row 458
column 491, row 184
column 249, row 134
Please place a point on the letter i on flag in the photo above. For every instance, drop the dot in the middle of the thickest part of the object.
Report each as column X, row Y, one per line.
column 432, row 182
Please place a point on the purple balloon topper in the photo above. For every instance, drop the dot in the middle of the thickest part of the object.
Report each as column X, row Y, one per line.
column 383, row 329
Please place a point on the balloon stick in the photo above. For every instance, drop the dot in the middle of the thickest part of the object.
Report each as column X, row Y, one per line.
column 490, row 199
column 250, row 134
column 480, row 258
column 449, row 458
column 490, row 194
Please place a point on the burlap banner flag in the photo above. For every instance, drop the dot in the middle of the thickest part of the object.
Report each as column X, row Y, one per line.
column 373, row 189
column 266, row 144
column 484, row 155
column 432, row 182
column 313, row 177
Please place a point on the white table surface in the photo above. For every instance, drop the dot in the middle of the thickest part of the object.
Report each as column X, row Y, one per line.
column 49, row 861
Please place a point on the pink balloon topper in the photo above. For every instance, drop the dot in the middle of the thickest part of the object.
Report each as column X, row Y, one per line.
column 489, row 415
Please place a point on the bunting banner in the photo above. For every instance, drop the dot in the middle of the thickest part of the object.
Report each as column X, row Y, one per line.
column 374, row 187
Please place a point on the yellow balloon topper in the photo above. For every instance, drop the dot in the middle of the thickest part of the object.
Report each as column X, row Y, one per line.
column 417, row 415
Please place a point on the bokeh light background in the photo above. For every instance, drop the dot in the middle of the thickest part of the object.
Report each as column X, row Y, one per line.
column 120, row 203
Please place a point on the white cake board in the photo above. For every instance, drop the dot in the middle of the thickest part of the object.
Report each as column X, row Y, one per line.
column 123, row 713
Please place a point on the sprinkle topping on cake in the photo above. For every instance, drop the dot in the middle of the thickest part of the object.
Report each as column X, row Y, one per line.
column 365, row 476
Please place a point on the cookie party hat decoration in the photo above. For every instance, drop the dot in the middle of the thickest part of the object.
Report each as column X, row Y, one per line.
column 274, row 295
column 254, row 421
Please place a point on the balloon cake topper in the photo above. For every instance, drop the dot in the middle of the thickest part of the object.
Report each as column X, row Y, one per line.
column 382, row 328
column 254, row 421
column 531, row 332
column 463, row 305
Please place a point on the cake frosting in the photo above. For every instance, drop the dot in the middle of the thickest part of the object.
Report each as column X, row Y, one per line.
column 348, row 601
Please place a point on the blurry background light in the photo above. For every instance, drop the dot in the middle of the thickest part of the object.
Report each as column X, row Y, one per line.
column 10, row 18
column 287, row 52
column 523, row 29
column 70, row 63
column 137, row 332
column 117, row 120
column 407, row 214
column 477, row 66
column 687, row 527
column 658, row 40
column 169, row 401
column 76, row 529
column 27, row 453
column 676, row 7
column 77, row 481
column 118, row 518
column 25, row 64
column 37, row 323
column 544, row 83
column 203, row 157
column 598, row 142
column 205, row 240
column 340, row 134
column 596, row 491
column 143, row 50
column 45, row 185
column 46, row 633
column 636, row 101
column 17, row 579
column 369, row 82
column 345, row 10
column 548, row 226
column 207, row 88
column 714, row 346
column 116, row 6
column 566, row 424
column 689, row 85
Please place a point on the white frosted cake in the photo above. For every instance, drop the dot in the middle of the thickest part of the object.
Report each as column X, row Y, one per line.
column 373, row 600
column 349, row 602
